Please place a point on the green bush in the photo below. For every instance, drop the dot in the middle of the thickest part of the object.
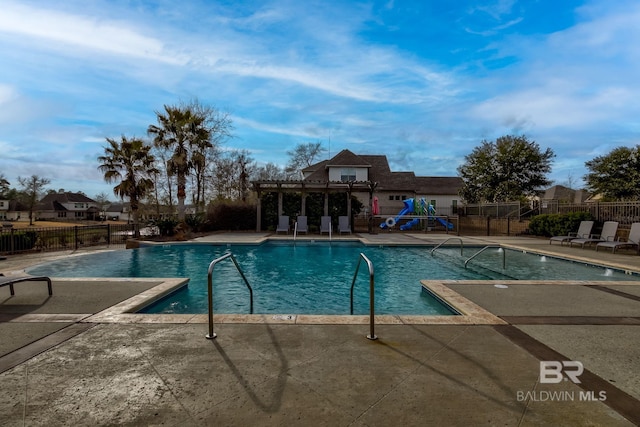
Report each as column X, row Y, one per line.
column 196, row 222
column 557, row 224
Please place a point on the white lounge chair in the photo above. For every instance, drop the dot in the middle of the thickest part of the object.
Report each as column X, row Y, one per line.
column 283, row 224
column 325, row 224
column 343, row 224
column 608, row 234
column 584, row 231
column 302, row 224
column 633, row 241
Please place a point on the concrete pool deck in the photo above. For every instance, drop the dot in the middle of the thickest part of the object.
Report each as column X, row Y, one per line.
column 69, row 360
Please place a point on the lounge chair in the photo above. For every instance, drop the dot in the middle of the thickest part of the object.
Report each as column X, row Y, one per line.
column 608, row 234
column 283, row 224
column 325, row 224
column 633, row 241
column 302, row 225
column 584, row 231
column 343, row 224
column 11, row 280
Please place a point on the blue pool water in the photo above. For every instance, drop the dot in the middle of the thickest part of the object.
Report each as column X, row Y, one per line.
column 315, row 277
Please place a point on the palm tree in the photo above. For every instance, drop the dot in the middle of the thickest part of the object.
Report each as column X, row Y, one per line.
column 130, row 164
column 185, row 131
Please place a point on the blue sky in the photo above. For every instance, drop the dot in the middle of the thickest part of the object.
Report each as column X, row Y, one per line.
column 422, row 82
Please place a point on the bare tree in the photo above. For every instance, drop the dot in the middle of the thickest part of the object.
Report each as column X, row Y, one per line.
column 103, row 201
column 302, row 156
column 33, row 187
column 269, row 172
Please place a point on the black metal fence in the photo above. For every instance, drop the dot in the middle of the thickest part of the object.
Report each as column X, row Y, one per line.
column 33, row 239
column 625, row 213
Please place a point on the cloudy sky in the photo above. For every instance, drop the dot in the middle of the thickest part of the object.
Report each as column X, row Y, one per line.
column 422, row 82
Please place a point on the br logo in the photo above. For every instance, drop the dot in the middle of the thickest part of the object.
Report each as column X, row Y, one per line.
column 552, row 372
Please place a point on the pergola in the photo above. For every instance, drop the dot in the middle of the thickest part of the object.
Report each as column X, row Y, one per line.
column 304, row 187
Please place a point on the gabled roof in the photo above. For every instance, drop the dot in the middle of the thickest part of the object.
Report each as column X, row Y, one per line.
column 55, row 201
column 347, row 158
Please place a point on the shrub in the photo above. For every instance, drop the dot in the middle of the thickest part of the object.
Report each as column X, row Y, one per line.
column 557, row 224
column 196, row 222
column 17, row 241
column 231, row 216
column 166, row 226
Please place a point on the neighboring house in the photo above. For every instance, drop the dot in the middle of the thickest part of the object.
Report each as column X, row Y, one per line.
column 564, row 194
column 118, row 212
column 13, row 210
column 67, row 206
column 4, row 207
column 366, row 177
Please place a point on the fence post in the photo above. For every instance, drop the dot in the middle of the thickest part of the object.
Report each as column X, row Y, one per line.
column 508, row 227
column 75, row 236
column 488, row 225
column 108, row 234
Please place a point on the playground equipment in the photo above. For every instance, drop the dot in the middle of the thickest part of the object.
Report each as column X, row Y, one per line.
column 422, row 208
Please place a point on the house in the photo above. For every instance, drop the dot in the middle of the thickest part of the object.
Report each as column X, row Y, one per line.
column 4, row 207
column 118, row 212
column 564, row 194
column 13, row 210
column 67, row 206
column 392, row 187
column 365, row 177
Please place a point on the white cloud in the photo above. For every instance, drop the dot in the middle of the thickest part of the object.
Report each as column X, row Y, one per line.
column 55, row 28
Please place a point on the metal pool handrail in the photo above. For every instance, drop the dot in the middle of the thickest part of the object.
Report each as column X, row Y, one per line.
column 504, row 259
column 212, row 334
column 372, row 335
column 450, row 238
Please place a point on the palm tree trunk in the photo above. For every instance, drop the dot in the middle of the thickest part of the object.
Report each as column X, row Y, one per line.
column 182, row 194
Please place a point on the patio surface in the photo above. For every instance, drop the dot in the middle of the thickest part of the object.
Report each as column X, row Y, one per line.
column 79, row 358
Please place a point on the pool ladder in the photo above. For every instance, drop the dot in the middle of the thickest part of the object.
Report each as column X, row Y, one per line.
column 504, row 262
column 372, row 334
column 211, row 334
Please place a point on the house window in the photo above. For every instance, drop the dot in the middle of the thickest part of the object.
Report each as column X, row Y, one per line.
column 62, row 214
column 348, row 174
column 404, row 197
column 397, row 197
column 390, row 197
column 1, row 204
column 454, row 206
column 79, row 214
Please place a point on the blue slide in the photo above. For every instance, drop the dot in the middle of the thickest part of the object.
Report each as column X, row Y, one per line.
column 445, row 223
column 408, row 209
column 432, row 211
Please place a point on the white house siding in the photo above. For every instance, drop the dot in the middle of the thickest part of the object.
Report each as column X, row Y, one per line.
column 335, row 173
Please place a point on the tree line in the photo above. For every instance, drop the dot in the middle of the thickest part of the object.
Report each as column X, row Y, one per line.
column 182, row 161
column 514, row 168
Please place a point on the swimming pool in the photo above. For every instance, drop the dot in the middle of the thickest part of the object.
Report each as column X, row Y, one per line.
column 315, row 277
